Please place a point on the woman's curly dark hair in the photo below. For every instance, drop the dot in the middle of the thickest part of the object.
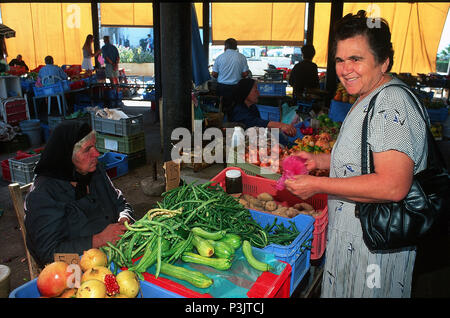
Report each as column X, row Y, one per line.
column 375, row 29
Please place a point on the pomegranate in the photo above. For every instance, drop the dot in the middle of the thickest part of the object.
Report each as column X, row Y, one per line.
column 97, row 272
column 92, row 289
column 128, row 283
column 93, row 257
column 52, row 281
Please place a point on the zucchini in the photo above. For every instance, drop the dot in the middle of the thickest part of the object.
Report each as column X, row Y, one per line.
column 203, row 247
column 208, row 235
column 222, row 249
column 256, row 264
column 231, row 239
column 221, row 264
column 197, row 279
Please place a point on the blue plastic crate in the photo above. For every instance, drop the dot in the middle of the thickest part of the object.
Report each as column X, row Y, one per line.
column 269, row 112
column 116, row 164
column 272, row 89
column 305, row 106
column 297, row 254
column 338, row 110
column 149, row 290
column 438, row 115
column 52, row 89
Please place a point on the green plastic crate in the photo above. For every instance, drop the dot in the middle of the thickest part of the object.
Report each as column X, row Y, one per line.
column 122, row 144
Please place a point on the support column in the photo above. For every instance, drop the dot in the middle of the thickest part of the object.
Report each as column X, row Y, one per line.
column 95, row 29
column 337, row 8
column 206, row 28
column 157, row 55
column 176, row 70
column 310, row 29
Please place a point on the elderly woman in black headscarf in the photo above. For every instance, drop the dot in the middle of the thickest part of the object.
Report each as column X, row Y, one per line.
column 72, row 205
column 245, row 111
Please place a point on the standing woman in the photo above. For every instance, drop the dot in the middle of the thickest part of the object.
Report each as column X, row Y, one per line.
column 397, row 138
column 88, row 54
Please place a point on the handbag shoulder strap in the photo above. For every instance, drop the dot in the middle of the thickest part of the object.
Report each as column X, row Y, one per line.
column 434, row 158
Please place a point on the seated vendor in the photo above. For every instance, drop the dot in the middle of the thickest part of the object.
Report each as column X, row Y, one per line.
column 50, row 72
column 72, row 205
column 245, row 111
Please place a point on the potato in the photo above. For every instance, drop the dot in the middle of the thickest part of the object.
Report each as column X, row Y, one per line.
column 303, row 206
column 247, row 197
column 291, row 212
column 265, row 197
column 271, row 206
column 243, row 202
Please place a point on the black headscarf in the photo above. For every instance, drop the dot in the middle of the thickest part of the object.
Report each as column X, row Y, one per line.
column 242, row 89
column 56, row 159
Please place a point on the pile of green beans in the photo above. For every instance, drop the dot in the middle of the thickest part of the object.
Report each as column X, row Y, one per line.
column 191, row 205
column 208, row 206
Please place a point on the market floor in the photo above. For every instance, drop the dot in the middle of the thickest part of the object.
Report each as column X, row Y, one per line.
column 432, row 284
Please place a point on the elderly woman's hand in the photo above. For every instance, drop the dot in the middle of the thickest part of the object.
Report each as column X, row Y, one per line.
column 289, row 130
column 303, row 186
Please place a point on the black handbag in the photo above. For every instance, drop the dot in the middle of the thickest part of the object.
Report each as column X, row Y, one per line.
column 394, row 225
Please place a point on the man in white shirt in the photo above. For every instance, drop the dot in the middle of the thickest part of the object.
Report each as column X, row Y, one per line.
column 229, row 68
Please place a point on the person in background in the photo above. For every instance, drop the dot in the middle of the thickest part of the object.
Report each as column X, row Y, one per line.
column 72, row 205
column 397, row 137
column 18, row 61
column 149, row 43
column 51, row 73
column 229, row 68
column 245, row 111
column 88, row 54
column 111, row 56
column 4, row 66
column 304, row 74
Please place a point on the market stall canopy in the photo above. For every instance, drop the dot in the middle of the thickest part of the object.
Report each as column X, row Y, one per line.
column 268, row 23
column 59, row 29
column 135, row 14
column 416, row 31
column 56, row 29
column 6, row 32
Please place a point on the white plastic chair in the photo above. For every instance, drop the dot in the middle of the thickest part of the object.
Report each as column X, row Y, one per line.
column 49, row 80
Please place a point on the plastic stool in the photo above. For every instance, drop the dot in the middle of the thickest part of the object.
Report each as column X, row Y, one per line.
column 49, row 101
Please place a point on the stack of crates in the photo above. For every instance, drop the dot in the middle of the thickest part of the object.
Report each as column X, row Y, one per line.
column 14, row 110
column 125, row 136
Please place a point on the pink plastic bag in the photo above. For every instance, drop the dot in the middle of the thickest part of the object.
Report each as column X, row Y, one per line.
column 292, row 166
column 101, row 60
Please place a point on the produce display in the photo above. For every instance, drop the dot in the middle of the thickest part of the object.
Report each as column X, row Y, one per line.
column 97, row 280
column 199, row 224
column 437, row 131
column 342, row 95
column 264, row 202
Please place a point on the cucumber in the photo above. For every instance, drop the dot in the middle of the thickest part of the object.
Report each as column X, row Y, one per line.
column 195, row 278
column 256, row 264
column 221, row 264
column 207, row 235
